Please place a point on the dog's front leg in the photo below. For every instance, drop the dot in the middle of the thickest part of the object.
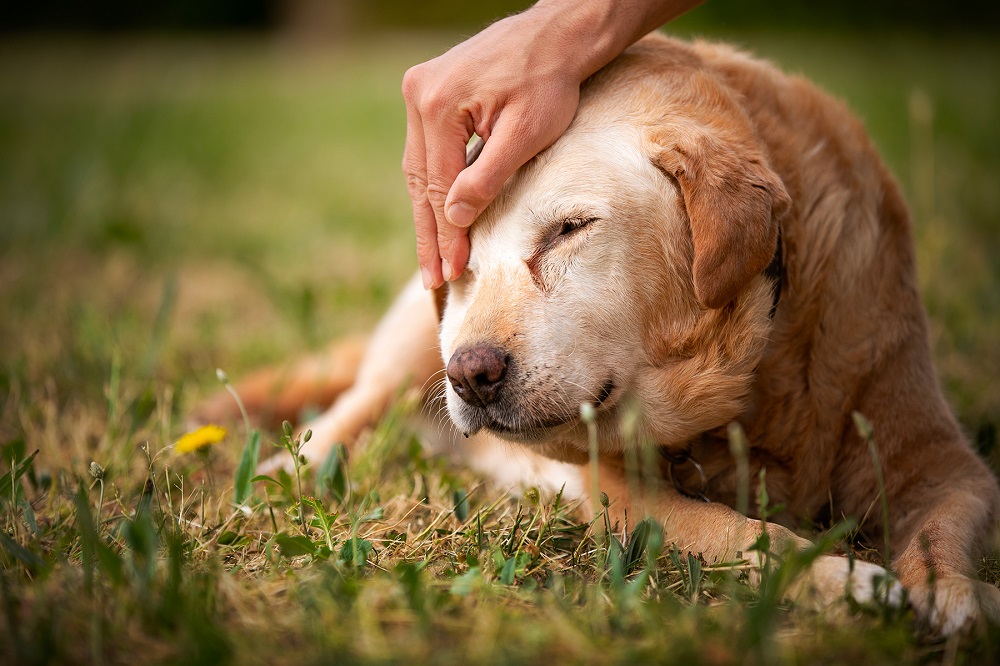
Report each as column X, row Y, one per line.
column 403, row 352
column 718, row 533
column 942, row 529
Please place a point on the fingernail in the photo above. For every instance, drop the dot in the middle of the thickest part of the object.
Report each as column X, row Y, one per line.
column 461, row 214
column 446, row 270
column 425, row 276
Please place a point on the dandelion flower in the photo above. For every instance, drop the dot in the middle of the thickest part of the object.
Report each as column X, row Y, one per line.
column 200, row 438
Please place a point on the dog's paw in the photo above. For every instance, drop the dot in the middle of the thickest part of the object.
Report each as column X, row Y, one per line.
column 955, row 604
column 271, row 465
column 831, row 579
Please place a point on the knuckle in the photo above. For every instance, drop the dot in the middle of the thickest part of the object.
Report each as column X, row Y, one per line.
column 434, row 101
column 432, row 191
column 411, row 82
column 416, row 184
column 436, row 193
column 427, row 244
column 422, row 92
column 415, row 179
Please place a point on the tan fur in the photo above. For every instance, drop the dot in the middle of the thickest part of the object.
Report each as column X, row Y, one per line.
column 688, row 159
column 280, row 393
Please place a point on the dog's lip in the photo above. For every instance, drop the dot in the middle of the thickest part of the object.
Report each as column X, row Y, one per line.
column 528, row 431
column 533, row 430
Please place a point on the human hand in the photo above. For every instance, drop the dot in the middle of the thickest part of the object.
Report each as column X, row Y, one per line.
column 511, row 85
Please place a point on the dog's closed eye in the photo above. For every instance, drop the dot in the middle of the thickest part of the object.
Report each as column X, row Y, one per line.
column 555, row 249
column 574, row 224
column 569, row 228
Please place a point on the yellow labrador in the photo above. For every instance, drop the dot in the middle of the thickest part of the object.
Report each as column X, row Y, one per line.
column 711, row 241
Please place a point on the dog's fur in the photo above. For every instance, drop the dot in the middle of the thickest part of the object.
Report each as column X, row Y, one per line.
column 624, row 267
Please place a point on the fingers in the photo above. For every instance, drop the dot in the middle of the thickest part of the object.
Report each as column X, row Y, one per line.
column 445, row 153
column 425, row 224
column 517, row 136
column 457, row 195
column 517, row 110
column 510, row 145
column 436, row 134
column 474, row 187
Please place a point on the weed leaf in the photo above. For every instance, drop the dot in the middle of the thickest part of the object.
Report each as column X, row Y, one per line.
column 638, row 542
column 355, row 551
column 467, row 582
column 332, row 475
column 507, row 574
column 294, row 545
column 248, row 463
column 461, row 500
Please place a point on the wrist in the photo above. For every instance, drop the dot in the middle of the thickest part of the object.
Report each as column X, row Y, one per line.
column 591, row 33
column 583, row 33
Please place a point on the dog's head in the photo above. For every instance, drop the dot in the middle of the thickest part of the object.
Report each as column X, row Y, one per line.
column 622, row 265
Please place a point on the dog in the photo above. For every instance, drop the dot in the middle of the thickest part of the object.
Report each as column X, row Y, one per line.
column 711, row 242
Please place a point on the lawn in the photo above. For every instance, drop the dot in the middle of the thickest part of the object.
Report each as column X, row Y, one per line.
column 169, row 206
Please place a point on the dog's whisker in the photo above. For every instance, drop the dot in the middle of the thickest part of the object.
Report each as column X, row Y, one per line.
column 434, row 379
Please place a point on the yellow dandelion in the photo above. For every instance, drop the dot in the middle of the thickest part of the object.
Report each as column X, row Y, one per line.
column 200, row 438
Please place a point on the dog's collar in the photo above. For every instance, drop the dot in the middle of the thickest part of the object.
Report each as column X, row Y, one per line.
column 677, row 459
column 775, row 271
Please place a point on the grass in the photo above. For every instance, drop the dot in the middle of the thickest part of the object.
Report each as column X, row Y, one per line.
column 172, row 206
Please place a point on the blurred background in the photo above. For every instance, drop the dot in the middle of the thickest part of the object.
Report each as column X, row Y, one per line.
column 194, row 184
column 351, row 15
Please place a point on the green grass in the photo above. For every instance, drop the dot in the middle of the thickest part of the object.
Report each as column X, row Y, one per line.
column 169, row 207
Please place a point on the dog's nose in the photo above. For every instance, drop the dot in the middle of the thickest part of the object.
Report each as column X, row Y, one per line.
column 477, row 373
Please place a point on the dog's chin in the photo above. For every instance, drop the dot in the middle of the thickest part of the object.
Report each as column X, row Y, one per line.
column 519, row 428
column 522, row 426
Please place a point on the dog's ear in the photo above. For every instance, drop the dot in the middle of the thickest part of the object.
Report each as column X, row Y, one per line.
column 440, row 301
column 473, row 150
column 733, row 201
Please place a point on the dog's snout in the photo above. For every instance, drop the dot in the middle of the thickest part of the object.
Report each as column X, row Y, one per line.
column 477, row 373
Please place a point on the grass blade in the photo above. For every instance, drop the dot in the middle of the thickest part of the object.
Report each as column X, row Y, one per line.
column 34, row 563
column 243, row 486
